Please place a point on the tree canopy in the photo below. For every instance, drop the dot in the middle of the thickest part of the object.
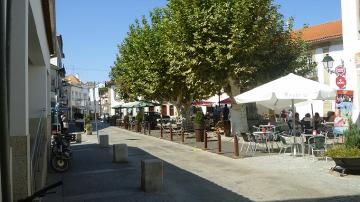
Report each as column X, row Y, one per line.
column 191, row 49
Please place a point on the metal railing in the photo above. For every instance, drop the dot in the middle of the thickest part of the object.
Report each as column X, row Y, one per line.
column 36, row 149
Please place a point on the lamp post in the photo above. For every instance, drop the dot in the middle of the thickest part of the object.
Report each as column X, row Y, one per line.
column 328, row 62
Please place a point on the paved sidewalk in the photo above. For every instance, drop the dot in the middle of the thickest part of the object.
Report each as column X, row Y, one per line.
column 195, row 175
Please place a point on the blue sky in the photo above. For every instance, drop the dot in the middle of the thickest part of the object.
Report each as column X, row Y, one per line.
column 92, row 30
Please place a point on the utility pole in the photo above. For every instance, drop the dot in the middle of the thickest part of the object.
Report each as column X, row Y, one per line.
column 96, row 126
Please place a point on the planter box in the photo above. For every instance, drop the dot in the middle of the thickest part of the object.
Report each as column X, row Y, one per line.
column 347, row 164
column 199, row 132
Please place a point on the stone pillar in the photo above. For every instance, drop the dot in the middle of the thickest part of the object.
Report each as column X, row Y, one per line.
column 120, row 153
column 152, row 175
column 18, row 100
column 104, row 140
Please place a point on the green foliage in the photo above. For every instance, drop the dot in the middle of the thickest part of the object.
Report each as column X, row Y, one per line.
column 351, row 148
column 126, row 118
column 342, row 151
column 192, row 49
column 88, row 127
column 139, row 117
column 199, row 118
column 352, row 136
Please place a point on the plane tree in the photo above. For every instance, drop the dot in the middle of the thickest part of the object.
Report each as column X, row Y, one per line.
column 191, row 49
column 235, row 45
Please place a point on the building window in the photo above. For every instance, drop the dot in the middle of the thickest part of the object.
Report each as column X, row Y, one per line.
column 171, row 110
column 151, row 109
column 163, row 110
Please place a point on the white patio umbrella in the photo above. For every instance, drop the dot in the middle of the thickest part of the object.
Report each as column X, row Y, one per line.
column 286, row 91
column 216, row 98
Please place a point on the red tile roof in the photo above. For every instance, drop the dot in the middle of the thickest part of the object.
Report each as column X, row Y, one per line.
column 330, row 30
column 72, row 79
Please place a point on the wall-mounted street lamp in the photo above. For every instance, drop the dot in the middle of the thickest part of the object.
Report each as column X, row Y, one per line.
column 328, row 62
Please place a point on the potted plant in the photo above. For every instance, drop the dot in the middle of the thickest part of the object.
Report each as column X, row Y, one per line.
column 138, row 119
column 347, row 155
column 199, row 126
column 126, row 121
column 88, row 128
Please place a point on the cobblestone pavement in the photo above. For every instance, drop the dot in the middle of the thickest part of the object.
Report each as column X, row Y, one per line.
column 192, row 174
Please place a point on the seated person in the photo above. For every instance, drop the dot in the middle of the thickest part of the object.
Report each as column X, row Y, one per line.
column 339, row 121
column 317, row 121
column 330, row 116
column 306, row 124
column 297, row 124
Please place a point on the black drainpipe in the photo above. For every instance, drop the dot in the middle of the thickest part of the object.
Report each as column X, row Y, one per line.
column 4, row 113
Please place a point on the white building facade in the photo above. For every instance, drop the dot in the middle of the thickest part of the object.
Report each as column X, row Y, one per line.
column 324, row 39
column 350, row 12
column 78, row 100
column 32, row 37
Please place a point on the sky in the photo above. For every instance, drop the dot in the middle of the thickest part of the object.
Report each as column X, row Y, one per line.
column 91, row 30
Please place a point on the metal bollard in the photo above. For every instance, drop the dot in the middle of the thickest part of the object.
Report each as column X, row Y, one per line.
column 171, row 134
column 144, row 129
column 182, row 136
column 219, row 142
column 205, row 140
column 236, row 146
column 149, row 128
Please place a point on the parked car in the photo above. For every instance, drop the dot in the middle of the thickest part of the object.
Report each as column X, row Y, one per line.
column 164, row 119
column 152, row 118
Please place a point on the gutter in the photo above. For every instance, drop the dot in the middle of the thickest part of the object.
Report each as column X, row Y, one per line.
column 4, row 114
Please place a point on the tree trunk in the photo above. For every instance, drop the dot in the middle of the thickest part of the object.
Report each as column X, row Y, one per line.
column 183, row 107
column 238, row 116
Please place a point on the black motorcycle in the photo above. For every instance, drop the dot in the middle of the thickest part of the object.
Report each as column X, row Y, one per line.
column 60, row 153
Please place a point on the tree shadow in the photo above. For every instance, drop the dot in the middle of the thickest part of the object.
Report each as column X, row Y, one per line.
column 94, row 177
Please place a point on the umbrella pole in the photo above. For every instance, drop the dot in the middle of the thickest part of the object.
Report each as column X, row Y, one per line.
column 312, row 115
column 294, row 124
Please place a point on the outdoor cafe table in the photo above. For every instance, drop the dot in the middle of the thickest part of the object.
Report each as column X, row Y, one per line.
column 264, row 137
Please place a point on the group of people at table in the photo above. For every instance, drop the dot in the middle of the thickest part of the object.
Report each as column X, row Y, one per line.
column 305, row 128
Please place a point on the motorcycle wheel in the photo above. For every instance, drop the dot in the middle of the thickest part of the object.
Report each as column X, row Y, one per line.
column 60, row 164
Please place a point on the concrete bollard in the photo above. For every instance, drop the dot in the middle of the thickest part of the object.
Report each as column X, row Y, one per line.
column 152, row 175
column 78, row 137
column 236, row 146
column 120, row 153
column 104, row 140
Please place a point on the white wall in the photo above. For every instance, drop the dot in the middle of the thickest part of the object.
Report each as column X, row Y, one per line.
column 113, row 101
column 350, row 23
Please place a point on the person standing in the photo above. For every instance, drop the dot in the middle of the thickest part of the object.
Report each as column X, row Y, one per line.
column 227, row 124
column 226, row 113
column 65, row 122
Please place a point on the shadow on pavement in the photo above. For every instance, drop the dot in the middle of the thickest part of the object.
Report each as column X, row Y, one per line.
column 94, row 177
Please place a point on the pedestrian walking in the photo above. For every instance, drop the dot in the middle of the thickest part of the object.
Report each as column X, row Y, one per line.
column 65, row 122
column 226, row 113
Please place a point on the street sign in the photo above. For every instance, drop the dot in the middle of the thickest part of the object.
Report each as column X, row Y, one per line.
column 341, row 82
column 340, row 70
